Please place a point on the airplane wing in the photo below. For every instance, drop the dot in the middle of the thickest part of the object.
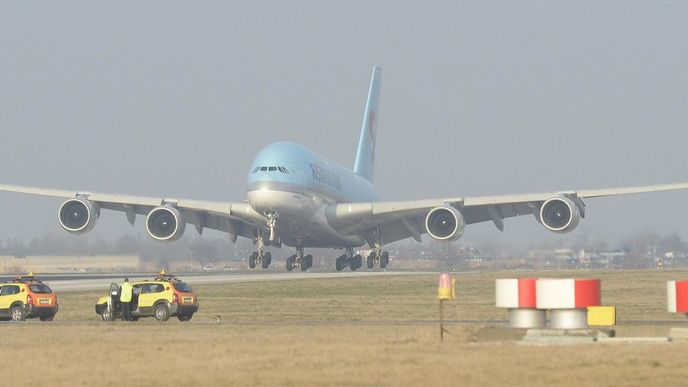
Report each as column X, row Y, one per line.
column 237, row 219
column 400, row 220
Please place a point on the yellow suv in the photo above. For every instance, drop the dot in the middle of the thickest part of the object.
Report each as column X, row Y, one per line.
column 163, row 297
column 26, row 297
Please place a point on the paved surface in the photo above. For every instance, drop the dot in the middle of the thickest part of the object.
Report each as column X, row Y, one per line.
column 64, row 283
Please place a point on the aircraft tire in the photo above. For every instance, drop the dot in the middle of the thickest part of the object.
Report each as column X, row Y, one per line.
column 370, row 261
column 252, row 260
column 308, row 261
column 339, row 264
column 384, row 260
column 356, row 263
column 267, row 259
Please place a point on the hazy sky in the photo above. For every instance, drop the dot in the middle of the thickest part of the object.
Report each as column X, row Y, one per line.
column 176, row 98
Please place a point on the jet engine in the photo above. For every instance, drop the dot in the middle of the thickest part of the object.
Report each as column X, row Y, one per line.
column 165, row 224
column 78, row 215
column 445, row 223
column 559, row 215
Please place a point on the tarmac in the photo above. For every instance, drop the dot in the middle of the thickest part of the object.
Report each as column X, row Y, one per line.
column 85, row 282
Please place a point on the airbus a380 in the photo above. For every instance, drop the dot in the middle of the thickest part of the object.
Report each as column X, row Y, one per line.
column 298, row 198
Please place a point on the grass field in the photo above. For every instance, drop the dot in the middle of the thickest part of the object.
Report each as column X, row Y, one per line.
column 346, row 332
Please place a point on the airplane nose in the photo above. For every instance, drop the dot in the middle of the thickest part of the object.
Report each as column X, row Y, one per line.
column 263, row 200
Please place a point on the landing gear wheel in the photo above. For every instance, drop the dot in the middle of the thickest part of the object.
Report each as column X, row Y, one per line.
column 356, row 262
column 17, row 313
column 267, row 259
column 339, row 264
column 162, row 312
column 184, row 317
column 384, row 260
column 370, row 261
column 252, row 260
column 306, row 262
column 290, row 263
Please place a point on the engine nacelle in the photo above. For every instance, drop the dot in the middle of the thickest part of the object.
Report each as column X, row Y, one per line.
column 78, row 215
column 559, row 214
column 445, row 223
column 165, row 224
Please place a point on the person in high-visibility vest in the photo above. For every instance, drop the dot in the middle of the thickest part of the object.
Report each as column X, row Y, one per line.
column 125, row 299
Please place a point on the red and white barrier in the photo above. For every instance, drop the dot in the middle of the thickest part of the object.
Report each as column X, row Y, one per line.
column 677, row 296
column 528, row 299
column 515, row 292
column 568, row 293
column 519, row 296
column 568, row 300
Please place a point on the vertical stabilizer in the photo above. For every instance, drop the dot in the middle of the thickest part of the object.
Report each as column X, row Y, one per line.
column 365, row 156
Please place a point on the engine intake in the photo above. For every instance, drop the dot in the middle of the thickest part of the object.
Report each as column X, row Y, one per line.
column 559, row 215
column 165, row 224
column 78, row 215
column 445, row 223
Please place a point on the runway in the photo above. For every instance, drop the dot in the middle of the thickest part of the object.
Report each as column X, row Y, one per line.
column 77, row 283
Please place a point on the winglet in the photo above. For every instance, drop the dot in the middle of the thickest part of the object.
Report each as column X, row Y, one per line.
column 365, row 156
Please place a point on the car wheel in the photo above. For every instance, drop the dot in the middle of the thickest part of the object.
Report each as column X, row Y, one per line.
column 162, row 312
column 17, row 313
column 184, row 317
column 107, row 315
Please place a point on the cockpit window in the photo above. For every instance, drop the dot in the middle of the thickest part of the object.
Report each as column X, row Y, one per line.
column 271, row 169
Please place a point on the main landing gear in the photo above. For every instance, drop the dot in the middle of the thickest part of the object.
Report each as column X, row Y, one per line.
column 260, row 257
column 377, row 258
column 355, row 262
column 349, row 260
column 299, row 260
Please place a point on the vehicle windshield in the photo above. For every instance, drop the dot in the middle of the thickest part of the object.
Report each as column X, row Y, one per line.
column 40, row 288
column 182, row 287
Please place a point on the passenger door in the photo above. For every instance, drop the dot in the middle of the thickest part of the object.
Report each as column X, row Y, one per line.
column 8, row 294
column 150, row 293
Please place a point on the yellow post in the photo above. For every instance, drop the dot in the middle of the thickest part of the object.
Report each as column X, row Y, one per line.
column 445, row 291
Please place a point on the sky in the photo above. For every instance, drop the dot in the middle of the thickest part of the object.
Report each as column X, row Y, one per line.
column 174, row 99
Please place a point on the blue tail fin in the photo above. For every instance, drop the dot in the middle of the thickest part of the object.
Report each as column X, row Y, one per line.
column 365, row 156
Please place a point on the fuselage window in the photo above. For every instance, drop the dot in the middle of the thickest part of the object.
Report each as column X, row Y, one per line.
column 272, row 169
column 282, row 169
column 263, row 168
column 256, row 169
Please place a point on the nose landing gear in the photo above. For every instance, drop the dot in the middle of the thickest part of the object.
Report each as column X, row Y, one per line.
column 260, row 257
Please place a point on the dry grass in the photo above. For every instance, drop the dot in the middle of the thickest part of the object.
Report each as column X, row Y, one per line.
column 344, row 332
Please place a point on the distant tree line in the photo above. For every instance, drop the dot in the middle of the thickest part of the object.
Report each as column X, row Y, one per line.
column 198, row 249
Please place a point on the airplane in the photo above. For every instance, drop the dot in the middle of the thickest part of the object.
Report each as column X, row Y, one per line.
column 298, row 198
